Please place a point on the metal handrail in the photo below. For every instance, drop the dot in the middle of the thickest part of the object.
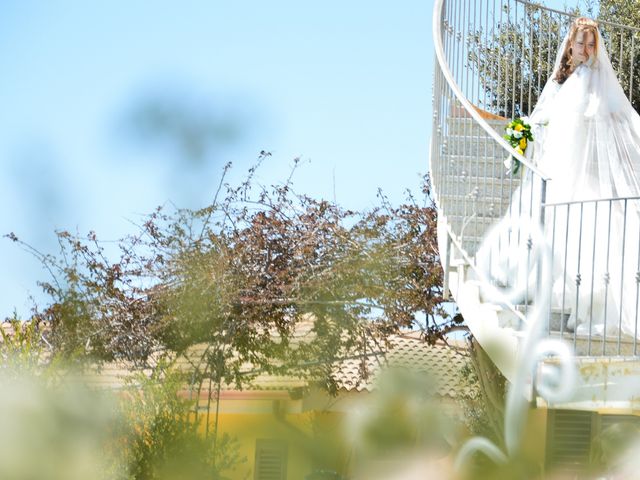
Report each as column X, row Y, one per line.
column 590, row 200
column 571, row 15
column 437, row 41
column 473, row 194
column 453, row 167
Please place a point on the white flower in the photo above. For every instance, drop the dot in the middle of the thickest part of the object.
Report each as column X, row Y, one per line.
column 508, row 163
column 517, row 134
column 509, row 131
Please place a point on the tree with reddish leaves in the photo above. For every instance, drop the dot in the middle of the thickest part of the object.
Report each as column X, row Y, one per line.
column 229, row 288
column 242, row 273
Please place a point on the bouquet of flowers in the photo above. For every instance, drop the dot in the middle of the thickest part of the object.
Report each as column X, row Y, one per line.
column 518, row 134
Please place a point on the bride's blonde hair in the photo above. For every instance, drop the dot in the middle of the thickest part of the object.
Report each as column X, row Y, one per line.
column 582, row 24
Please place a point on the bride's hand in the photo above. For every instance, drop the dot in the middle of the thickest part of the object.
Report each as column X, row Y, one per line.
column 580, row 58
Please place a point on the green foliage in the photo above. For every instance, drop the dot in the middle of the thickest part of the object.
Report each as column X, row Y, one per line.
column 518, row 134
column 402, row 415
column 55, row 430
column 240, row 275
column 623, row 43
column 515, row 59
column 22, row 346
column 225, row 291
column 483, row 395
column 164, row 441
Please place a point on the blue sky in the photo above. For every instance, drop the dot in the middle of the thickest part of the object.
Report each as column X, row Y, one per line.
column 345, row 86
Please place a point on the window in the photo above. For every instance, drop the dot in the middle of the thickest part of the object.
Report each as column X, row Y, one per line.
column 575, row 438
column 569, row 434
column 271, row 460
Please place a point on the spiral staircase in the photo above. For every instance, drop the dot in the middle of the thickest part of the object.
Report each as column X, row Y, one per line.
column 492, row 59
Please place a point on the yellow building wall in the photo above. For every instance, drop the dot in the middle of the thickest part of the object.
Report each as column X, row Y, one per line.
column 314, row 439
column 314, row 429
column 534, row 441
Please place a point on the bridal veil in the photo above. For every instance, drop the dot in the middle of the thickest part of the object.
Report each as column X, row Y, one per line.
column 587, row 139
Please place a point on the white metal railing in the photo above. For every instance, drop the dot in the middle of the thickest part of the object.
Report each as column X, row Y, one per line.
column 471, row 183
column 493, row 58
column 597, row 273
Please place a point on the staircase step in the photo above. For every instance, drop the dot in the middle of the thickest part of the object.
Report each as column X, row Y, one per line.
column 584, row 348
column 485, row 206
column 480, row 166
column 479, row 189
column 557, row 329
column 471, row 226
column 477, row 186
column 472, row 145
column 557, row 318
column 475, row 147
column 468, row 126
column 471, row 243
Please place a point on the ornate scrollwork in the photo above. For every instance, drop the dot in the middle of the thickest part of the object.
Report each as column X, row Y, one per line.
column 545, row 367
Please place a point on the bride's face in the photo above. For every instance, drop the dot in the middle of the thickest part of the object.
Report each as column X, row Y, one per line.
column 583, row 47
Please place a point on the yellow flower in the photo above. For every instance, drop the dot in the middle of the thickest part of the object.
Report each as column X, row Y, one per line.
column 519, row 150
column 523, row 143
column 518, row 127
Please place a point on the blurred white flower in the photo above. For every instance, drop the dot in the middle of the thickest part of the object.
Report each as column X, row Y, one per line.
column 508, row 162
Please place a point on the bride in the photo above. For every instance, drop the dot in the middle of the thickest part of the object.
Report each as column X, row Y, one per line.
column 587, row 139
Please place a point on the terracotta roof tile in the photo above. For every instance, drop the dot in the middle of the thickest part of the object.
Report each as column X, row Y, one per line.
column 442, row 362
column 407, row 350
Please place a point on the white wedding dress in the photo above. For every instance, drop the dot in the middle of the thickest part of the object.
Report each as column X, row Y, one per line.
column 587, row 139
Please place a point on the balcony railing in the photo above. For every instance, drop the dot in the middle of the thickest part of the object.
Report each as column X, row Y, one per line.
column 493, row 59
